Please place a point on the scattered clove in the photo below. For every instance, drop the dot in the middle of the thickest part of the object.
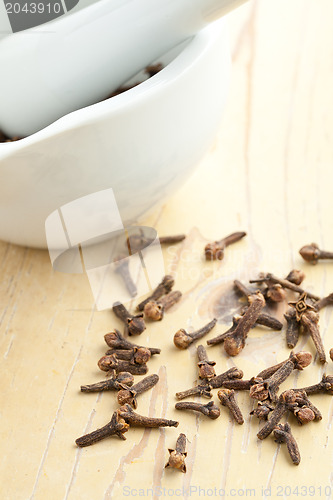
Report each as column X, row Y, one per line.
column 129, row 394
column 215, row 250
column 206, row 367
column 304, row 404
column 162, row 289
column 209, row 410
column 302, row 359
column 110, row 362
column 135, row 325
column 325, row 301
column 286, row 399
column 115, row 383
column 235, row 342
column 116, row 427
column 137, row 355
column 269, row 387
column 116, row 340
column 324, row 386
column 282, row 434
column 312, row 253
column 269, row 277
column 177, row 456
column 292, row 333
column 241, row 385
column 275, row 293
column 264, row 408
column 296, row 276
column 227, row 398
column 182, row 339
column 126, row 412
column 121, row 267
column 214, row 383
column 155, row 309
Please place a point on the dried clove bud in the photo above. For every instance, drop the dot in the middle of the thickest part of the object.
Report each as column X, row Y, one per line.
column 312, row 253
column 162, row 289
column 214, row 383
column 107, row 363
column 136, row 356
column 135, row 325
column 263, row 410
column 304, row 403
column 309, row 320
column 121, row 267
column 302, row 359
column 270, row 278
column 292, row 333
column 209, row 410
column 325, row 301
column 296, row 276
column 227, row 398
column 182, row 339
column 115, row 383
column 116, row 340
column 275, row 293
column 286, row 399
column 241, row 385
column 215, row 250
column 324, row 386
column 155, row 309
column 282, row 434
column 331, row 354
column 268, row 388
column 116, row 427
column 206, row 367
column 235, row 342
column 129, row 394
column 177, row 456
column 126, row 412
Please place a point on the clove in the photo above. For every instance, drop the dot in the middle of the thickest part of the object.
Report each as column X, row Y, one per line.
column 162, row 289
column 214, row 383
column 110, row 362
column 227, row 398
column 324, row 386
column 309, row 320
column 286, row 399
column 241, row 385
column 121, row 267
column 235, row 342
column 303, row 359
column 137, row 355
column 155, row 309
column 182, row 339
column 209, row 410
column 269, row 387
column 177, row 456
column 282, row 434
column 126, row 412
column 116, row 427
column 304, row 403
column 215, row 250
column 292, row 333
column 129, row 394
column 263, row 410
column 115, row 383
column 296, row 276
column 325, row 301
column 116, row 340
column 312, row 253
column 135, row 325
column 206, row 367
column 269, row 277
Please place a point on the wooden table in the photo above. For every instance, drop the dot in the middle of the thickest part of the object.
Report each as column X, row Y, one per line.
column 269, row 173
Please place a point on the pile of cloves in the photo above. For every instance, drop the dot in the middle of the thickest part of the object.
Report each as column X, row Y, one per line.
column 124, row 359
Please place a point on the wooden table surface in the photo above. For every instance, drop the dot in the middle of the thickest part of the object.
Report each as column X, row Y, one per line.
column 269, row 173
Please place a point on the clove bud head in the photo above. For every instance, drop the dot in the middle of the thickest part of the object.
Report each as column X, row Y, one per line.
column 304, row 415
column 154, row 310
column 182, row 340
column 310, row 253
column 303, row 359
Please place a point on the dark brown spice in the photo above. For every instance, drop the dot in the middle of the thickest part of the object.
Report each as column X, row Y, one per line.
column 324, row 386
column 215, row 250
column 115, row 383
column 282, row 434
column 284, row 283
column 110, row 362
column 304, row 403
column 183, row 340
column 116, row 340
column 162, row 289
column 301, row 359
column 324, row 302
column 227, row 398
column 263, row 410
column 155, row 309
column 126, row 412
column 206, row 367
column 209, row 410
column 312, row 253
column 129, row 394
column 214, row 383
column 241, row 385
column 286, row 399
column 292, row 333
column 135, row 325
column 296, row 276
column 235, row 342
column 309, row 320
column 177, row 456
column 116, row 427
column 137, row 355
